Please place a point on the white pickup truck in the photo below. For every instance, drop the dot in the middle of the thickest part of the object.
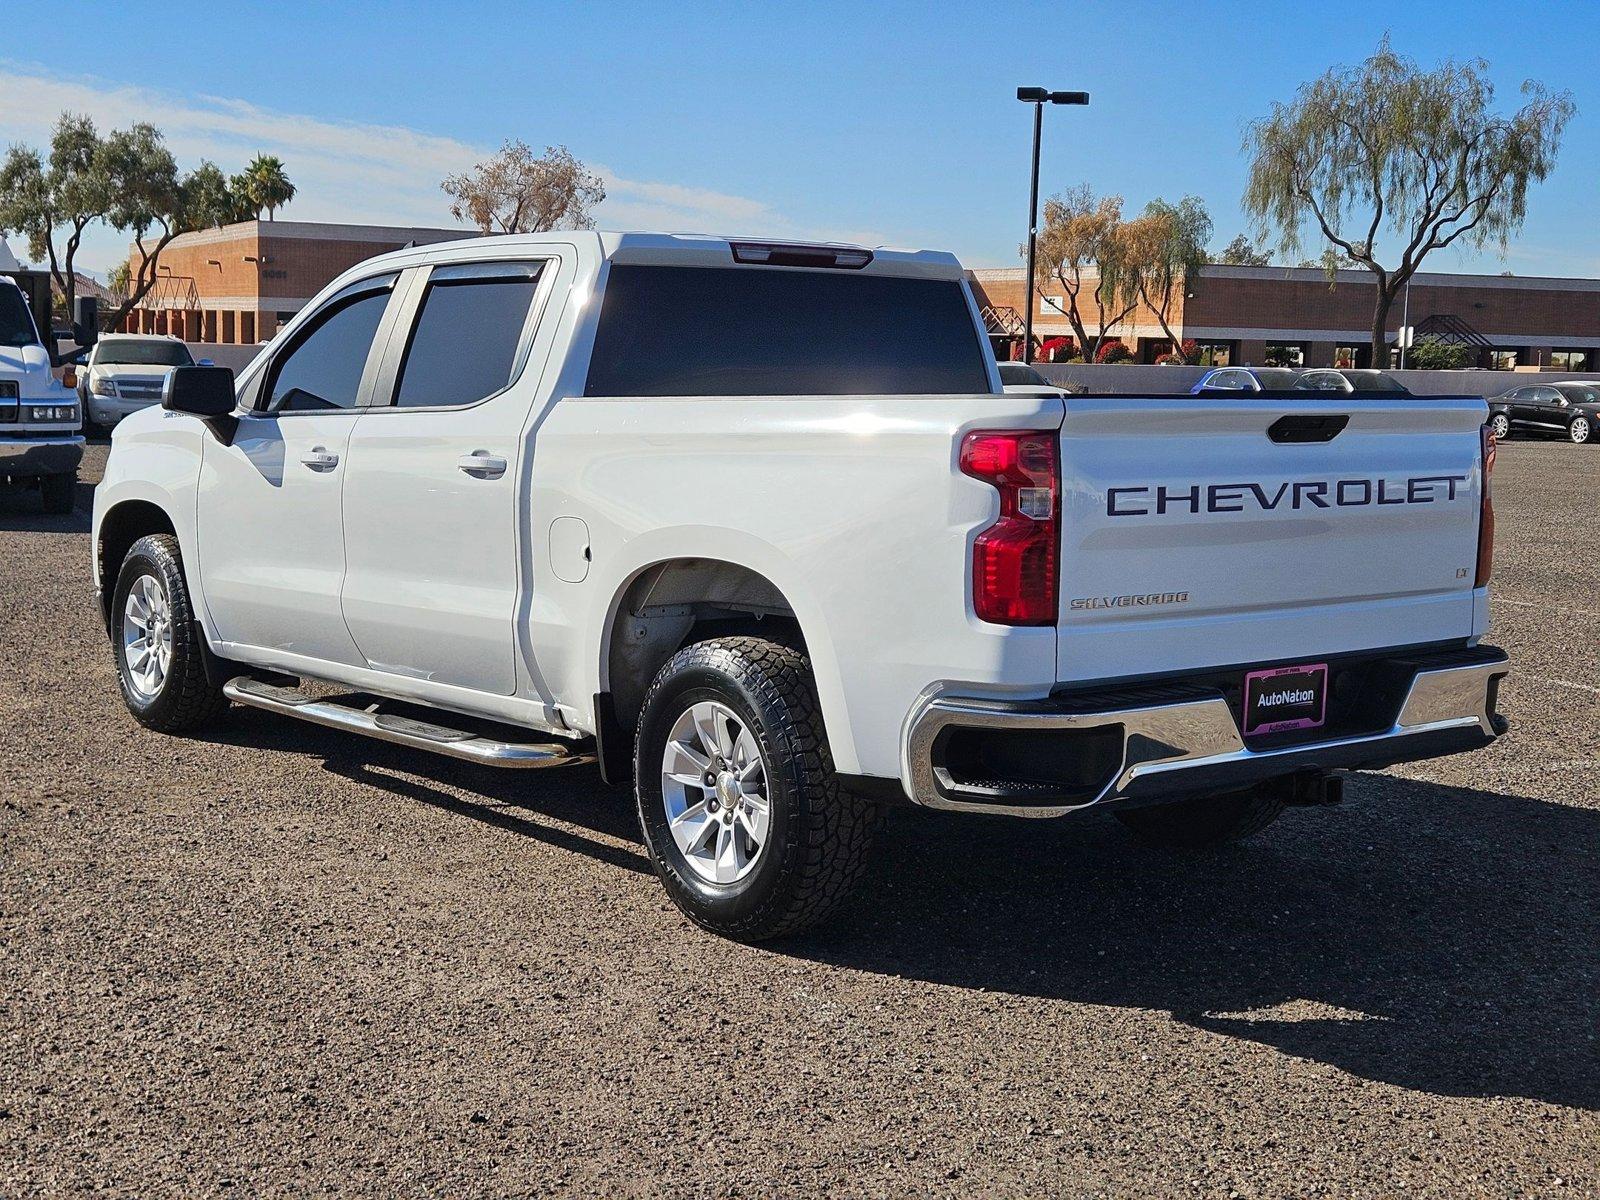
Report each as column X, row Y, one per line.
column 756, row 526
column 40, row 422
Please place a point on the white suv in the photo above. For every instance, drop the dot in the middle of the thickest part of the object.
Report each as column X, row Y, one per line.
column 125, row 372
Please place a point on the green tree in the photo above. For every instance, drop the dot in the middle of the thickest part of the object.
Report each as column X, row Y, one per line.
column 1431, row 355
column 52, row 201
column 1385, row 147
column 155, row 203
column 514, row 192
column 1164, row 250
column 1242, row 252
column 263, row 184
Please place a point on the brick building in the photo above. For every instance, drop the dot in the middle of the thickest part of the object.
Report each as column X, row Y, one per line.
column 1297, row 316
column 238, row 283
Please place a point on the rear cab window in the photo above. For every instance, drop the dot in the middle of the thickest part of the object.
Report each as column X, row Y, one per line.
column 772, row 331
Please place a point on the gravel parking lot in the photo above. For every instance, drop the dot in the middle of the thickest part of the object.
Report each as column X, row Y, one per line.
column 286, row 961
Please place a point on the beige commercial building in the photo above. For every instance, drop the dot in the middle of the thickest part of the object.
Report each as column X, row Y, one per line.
column 236, row 284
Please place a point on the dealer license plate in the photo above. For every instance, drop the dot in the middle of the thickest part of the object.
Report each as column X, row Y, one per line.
column 1284, row 698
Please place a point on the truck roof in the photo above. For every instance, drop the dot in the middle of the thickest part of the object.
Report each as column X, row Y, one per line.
column 684, row 249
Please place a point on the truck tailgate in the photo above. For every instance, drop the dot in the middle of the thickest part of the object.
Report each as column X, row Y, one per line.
column 1191, row 538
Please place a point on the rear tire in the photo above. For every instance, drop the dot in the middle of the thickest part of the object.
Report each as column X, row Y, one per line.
column 59, row 492
column 1501, row 425
column 1580, row 431
column 1204, row 820
column 742, row 814
column 171, row 682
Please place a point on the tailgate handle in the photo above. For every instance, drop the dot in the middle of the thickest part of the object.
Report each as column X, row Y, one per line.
column 1306, row 427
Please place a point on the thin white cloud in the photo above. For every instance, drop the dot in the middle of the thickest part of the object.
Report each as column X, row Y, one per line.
column 345, row 171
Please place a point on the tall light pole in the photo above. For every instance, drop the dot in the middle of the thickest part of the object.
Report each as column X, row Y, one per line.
column 1038, row 97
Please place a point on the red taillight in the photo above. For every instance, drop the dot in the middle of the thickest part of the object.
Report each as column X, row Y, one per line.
column 1486, row 512
column 1014, row 560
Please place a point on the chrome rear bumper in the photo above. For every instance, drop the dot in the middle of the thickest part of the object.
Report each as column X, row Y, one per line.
column 1172, row 743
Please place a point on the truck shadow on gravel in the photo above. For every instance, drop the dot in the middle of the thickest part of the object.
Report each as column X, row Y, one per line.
column 1436, row 938
column 561, row 807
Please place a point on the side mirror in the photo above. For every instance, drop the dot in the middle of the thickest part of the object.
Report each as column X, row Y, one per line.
column 199, row 391
column 86, row 321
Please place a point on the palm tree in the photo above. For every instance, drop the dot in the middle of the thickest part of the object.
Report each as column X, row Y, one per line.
column 265, row 185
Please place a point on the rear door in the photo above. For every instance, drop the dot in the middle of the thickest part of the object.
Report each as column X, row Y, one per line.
column 1211, row 532
column 436, row 468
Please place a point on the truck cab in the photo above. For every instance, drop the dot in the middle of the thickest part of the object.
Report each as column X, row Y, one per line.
column 40, row 421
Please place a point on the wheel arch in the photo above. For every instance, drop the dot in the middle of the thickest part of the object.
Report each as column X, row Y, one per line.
column 123, row 524
column 670, row 602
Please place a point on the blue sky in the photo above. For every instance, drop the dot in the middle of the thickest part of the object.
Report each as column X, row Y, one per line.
column 887, row 123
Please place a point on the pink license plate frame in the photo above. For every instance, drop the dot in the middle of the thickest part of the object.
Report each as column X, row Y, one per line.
column 1256, row 681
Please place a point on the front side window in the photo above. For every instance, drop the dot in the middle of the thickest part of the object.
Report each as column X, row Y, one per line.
column 321, row 369
column 16, row 322
column 1321, row 381
column 1233, row 381
column 464, row 346
column 748, row 331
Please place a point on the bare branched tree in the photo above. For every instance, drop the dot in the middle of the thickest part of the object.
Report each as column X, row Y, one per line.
column 514, row 192
column 1385, row 147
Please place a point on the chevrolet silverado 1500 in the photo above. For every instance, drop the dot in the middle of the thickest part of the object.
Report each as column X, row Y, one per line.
column 756, row 526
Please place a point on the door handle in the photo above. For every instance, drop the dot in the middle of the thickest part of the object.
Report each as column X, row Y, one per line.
column 318, row 459
column 480, row 464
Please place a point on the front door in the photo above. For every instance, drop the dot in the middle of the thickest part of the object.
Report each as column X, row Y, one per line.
column 430, row 501
column 271, row 536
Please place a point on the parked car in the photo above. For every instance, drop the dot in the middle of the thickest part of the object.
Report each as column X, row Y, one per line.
column 124, row 373
column 1023, row 379
column 40, row 442
column 1245, row 379
column 1344, row 379
column 1570, row 408
column 755, row 526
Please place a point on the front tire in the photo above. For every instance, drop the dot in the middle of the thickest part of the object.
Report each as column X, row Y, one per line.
column 171, row 682
column 1501, row 425
column 59, row 492
column 1204, row 820
column 742, row 814
column 1580, row 431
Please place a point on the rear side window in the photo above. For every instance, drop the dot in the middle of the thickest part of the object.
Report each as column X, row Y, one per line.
column 322, row 369
column 735, row 331
column 464, row 346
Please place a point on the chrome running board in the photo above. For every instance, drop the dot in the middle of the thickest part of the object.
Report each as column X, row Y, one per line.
column 403, row 731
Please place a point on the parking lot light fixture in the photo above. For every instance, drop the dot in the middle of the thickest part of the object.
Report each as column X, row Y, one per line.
column 1038, row 97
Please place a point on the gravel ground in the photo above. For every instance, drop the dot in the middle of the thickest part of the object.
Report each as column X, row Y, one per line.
column 283, row 961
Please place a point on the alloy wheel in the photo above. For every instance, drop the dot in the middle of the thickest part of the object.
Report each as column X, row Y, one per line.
column 714, row 786
column 147, row 636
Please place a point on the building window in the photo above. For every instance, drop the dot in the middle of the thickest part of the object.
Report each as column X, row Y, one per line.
column 1504, row 360
column 1349, row 358
column 1570, row 360
column 1285, row 354
column 1215, row 354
